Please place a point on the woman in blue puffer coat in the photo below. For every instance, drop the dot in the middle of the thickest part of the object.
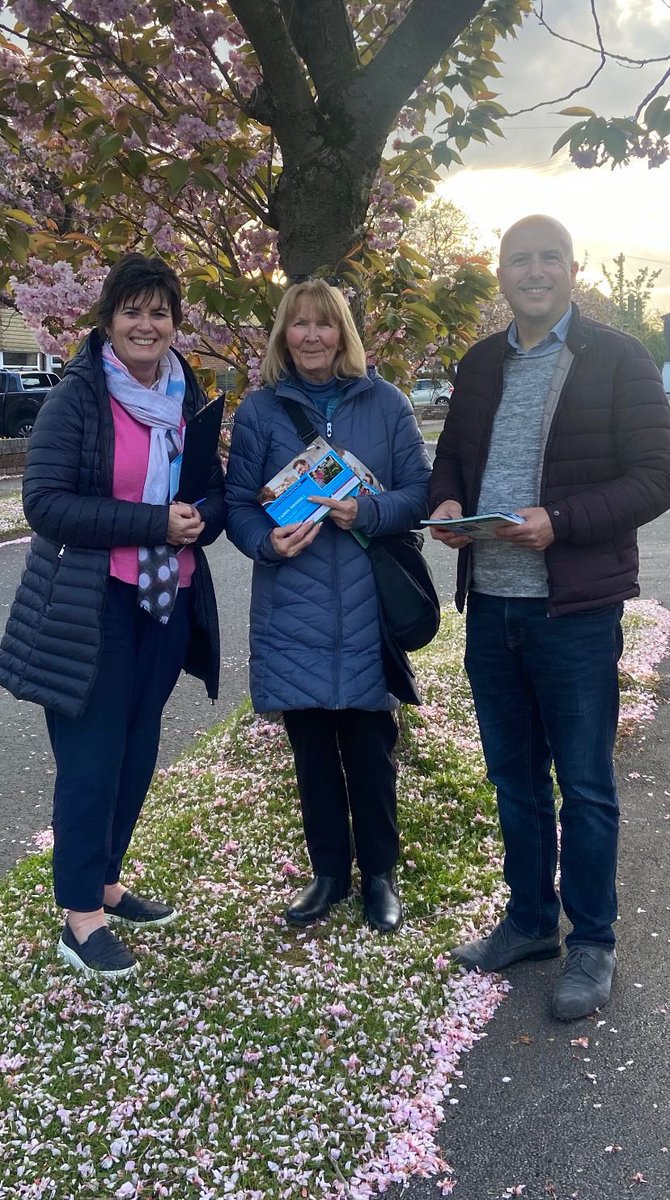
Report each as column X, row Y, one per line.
column 316, row 650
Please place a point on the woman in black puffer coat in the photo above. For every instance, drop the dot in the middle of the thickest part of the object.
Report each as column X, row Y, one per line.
column 116, row 596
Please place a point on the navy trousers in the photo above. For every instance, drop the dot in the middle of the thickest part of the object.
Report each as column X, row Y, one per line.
column 105, row 759
column 345, row 767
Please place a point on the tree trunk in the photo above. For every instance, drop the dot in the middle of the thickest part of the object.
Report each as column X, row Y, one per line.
column 319, row 207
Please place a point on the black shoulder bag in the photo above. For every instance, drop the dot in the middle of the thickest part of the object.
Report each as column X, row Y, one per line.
column 409, row 607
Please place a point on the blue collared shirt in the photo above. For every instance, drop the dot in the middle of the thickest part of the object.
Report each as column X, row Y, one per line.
column 549, row 344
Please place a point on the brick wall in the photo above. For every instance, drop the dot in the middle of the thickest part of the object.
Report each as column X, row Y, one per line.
column 430, row 412
column 12, row 455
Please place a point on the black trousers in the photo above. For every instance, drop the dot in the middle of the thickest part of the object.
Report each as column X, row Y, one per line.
column 346, row 772
column 105, row 759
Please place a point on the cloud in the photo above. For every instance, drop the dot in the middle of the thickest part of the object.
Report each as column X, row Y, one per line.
column 607, row 212
column 538, row 66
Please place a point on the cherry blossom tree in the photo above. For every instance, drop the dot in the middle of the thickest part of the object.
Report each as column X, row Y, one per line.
column 247, row 141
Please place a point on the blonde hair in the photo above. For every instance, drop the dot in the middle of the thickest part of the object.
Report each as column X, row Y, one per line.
column 330, row 305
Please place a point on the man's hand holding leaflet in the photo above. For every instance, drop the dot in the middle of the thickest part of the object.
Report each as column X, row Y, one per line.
column 482, row 526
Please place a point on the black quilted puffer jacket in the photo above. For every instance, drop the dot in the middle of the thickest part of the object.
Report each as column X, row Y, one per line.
column 49, row 653
column 606, row 468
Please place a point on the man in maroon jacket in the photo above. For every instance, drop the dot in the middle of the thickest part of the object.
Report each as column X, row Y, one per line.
column 565, row 422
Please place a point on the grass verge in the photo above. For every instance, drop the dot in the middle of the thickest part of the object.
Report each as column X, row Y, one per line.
column 12, row 519
column 247, row 1060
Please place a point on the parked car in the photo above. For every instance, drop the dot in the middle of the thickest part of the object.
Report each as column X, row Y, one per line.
column 22, row 394
column 431, row 391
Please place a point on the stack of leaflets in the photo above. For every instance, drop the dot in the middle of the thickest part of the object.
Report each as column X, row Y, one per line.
column 479, row 528
column 318, row 470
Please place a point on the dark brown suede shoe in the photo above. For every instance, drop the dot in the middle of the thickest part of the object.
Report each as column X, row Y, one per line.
column 506, row 945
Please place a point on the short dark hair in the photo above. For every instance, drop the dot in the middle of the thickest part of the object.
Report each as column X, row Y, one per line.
column 136, row 275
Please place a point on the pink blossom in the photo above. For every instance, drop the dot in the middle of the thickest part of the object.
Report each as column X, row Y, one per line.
column 36, row 14
column 339, row 1009
column 10, row 1064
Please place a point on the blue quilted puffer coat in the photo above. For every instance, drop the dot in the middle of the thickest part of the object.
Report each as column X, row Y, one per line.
column 315, row 639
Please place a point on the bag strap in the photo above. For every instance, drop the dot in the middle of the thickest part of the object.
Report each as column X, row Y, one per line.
column 297, row 413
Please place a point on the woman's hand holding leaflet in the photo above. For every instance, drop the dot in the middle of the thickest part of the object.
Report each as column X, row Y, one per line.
column 342, row 512
column 290, row 540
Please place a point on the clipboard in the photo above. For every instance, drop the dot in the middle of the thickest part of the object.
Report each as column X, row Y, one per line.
column 191, row 470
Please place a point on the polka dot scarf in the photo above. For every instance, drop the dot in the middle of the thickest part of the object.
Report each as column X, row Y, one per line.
column 159, row 407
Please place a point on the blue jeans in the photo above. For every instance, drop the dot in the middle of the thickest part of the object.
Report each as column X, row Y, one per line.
column 546, row 688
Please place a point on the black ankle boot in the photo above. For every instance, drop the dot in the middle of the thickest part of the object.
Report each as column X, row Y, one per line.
column 315, row 900
column 381, row 903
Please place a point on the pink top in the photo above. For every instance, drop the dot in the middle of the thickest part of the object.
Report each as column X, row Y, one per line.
column 131, row 458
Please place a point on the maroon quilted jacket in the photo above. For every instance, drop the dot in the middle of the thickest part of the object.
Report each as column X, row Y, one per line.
column 606, row 467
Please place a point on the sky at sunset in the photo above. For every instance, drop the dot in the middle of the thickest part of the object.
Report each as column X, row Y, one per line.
column 626, row 210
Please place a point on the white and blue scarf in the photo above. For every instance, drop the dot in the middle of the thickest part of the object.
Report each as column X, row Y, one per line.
column 159, row 407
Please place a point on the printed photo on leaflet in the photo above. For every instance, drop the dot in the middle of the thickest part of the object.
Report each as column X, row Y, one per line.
column 318, row 469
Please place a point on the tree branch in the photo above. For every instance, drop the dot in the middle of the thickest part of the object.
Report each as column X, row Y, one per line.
column 581, row 87
column 604, row 55
column 412, row 50
column 624, row 59
column 288, row 104
column 103, row 49
column 650, row 95
column 322, row 35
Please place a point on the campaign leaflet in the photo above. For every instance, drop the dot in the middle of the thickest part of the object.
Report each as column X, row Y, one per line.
column 317, row 470
column 479, row 528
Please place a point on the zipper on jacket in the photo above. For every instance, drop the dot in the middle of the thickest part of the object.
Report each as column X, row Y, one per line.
column 547, row 444
column 61, row 552
column 566, row 382
column 329, row 429
column 485, row 440
column 337, row 655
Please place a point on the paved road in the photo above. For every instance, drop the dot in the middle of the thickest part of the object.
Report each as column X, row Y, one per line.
column 536, row 1106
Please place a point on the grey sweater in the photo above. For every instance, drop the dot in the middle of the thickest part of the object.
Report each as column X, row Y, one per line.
column 511, row 476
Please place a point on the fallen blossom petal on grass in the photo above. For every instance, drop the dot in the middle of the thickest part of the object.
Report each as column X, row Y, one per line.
column 647, row 638
column 12, row 517
column 43, row 839
column 247, row 1059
